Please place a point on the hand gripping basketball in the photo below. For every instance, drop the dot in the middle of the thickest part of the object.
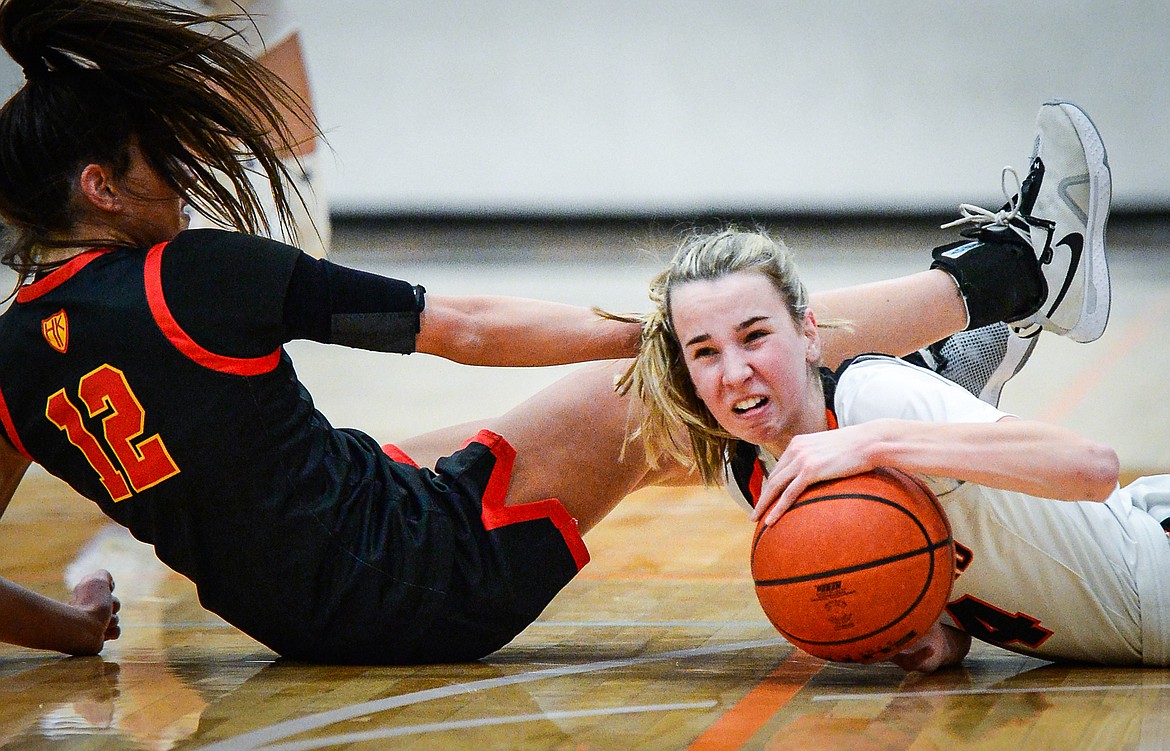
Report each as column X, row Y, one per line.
column 858, row 568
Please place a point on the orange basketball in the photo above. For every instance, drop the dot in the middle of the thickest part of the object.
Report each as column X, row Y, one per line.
column 858, row 568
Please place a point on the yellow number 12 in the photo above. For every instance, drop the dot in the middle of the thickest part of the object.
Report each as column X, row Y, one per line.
column 144, row 463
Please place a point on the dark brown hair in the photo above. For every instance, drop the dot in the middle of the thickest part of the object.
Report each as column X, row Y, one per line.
column 103, row 74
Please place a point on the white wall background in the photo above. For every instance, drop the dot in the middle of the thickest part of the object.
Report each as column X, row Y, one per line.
column 535, row 106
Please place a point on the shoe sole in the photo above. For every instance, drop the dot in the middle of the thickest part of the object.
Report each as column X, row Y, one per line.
column 1018, row 350
column 1095, row 306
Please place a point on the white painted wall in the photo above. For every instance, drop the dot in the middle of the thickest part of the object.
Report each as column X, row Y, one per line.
column 521, row 106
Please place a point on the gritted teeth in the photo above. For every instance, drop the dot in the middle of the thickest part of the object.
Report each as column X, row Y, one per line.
column 743, row 405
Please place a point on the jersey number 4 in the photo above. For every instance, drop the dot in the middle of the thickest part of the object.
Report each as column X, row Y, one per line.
column 989, row 623
column 144, row 463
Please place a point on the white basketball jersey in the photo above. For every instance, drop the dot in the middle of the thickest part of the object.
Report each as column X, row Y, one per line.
column 1059, row 580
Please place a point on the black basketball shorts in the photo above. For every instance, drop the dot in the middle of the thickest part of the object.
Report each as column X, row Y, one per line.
column 508, row 561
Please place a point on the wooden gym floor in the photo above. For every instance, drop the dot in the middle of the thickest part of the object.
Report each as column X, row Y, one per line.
column 659, row 643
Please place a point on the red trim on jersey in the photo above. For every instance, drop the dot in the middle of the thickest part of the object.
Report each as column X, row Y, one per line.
column 398, row 455
column 496, row 514
column 57, row 277
column 10, row 428
column 244, row 366
column 756, row 482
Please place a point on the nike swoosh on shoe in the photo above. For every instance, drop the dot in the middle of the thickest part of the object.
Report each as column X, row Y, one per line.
column 1076, row 246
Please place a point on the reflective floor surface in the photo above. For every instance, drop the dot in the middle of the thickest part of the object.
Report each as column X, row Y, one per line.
column 659, row 643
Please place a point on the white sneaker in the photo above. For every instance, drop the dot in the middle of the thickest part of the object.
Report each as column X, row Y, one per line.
column 1061, row 209
column 1067, row 223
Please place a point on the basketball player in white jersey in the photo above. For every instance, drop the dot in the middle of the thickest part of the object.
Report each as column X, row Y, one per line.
column 1054, row 559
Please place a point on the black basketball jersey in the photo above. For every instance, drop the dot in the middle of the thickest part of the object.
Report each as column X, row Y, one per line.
column 154, row 382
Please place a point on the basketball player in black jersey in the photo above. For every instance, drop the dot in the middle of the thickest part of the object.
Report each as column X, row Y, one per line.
column 143, row 363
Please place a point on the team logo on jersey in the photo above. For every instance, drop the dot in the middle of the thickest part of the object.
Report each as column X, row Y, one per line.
column 55, row 329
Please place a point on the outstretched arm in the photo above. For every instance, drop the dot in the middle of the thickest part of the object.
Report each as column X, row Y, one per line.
column 1026, row 456
column 334, row 304
column 511, row 331
column 896, row 316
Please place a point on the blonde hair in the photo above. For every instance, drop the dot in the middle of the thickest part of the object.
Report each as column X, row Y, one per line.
column 658, row 376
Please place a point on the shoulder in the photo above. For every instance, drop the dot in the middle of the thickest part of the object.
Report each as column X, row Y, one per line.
column 227, row 289
column 209, row 242
column 886, row 372
column 884, row 377
column 226, row 255
column 877, row 386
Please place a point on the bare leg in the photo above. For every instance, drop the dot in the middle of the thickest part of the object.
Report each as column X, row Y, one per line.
column 569, row 446
column 896, row 316
column 570, row 438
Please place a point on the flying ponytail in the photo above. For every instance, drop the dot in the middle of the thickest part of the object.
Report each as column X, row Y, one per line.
column 102, row 74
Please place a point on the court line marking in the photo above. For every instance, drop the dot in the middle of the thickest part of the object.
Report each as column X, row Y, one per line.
column 991, row 692
column 178, row 624
column 736, row 726
column 544, row 624
column 260, row 739
column 434, row 727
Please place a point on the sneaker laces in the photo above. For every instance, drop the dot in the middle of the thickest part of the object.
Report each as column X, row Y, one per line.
column 1005, row 217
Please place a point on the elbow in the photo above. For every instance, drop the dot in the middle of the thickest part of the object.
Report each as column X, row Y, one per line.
column 1102, row 471
column 467, row 347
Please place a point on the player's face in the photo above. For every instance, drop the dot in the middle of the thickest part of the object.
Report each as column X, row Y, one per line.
column 153, row 209
column 748, row 360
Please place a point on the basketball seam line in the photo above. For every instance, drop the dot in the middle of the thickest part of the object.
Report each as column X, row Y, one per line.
column 852, row 569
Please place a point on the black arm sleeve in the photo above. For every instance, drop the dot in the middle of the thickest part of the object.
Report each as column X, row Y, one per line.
column 338, row 305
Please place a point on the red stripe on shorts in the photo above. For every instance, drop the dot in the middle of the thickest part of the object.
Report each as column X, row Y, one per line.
column 496, row 514
column 398, row 455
